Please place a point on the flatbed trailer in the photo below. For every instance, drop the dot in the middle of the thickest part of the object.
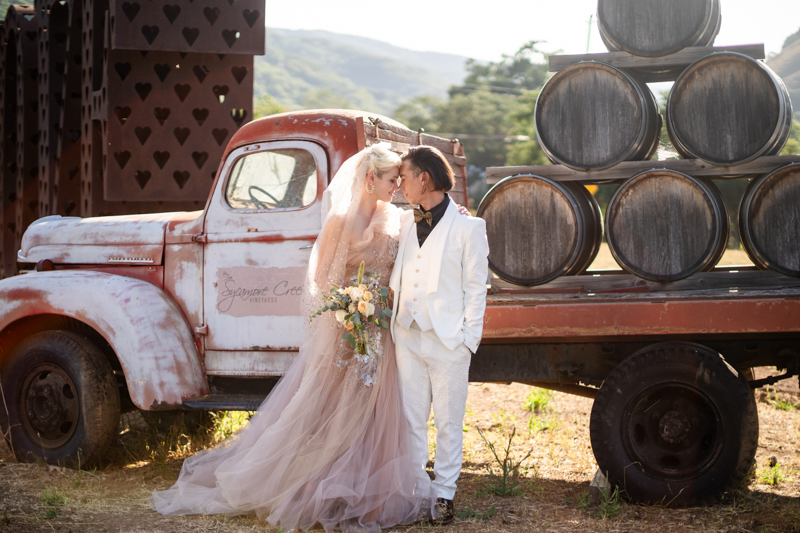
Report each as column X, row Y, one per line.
column 669, row 365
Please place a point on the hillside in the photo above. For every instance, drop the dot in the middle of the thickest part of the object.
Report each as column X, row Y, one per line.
column 321, row 69
column 787, row 65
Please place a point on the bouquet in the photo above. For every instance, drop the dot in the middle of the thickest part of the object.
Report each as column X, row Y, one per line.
column 355, row 308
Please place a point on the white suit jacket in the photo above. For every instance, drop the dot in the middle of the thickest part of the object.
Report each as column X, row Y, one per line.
column 456, row 281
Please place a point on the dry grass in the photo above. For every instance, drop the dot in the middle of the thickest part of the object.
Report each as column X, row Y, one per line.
column 554, row 479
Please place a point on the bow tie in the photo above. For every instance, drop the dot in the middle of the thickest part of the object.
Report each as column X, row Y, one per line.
column 426, row 216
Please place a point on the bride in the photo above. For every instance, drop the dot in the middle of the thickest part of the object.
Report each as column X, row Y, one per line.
column 330, row 444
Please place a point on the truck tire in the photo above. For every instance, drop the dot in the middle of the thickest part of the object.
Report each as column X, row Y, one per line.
column 62, row 403
column 674, row 425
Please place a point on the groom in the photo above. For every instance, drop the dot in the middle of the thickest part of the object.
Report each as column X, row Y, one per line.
column 439, row 282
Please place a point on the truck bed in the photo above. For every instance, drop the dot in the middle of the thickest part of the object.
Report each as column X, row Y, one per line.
column 601, row 305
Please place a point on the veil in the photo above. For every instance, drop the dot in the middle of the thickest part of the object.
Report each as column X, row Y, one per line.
column 329, row 255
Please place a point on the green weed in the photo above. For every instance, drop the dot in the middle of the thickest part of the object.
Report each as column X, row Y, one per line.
column 226, row 423
column 541, row 423
column 609, row 505
column 773, row 475
column 538, row 400
column 584, row 500
column 469, row 513
column 777, row 403
column 507, row 482
column 52, row 502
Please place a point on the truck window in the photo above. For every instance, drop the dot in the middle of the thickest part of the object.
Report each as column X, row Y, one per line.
column 274, row 179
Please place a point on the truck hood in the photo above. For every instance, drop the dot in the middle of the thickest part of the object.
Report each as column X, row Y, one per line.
column 128, row 239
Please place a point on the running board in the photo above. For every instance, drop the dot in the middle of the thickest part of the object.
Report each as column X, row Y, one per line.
column 225, row 402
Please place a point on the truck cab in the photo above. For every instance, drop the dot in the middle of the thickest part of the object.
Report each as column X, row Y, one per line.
column 176, row 311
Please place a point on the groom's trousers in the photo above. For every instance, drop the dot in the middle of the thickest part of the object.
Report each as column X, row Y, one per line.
column 431, row 373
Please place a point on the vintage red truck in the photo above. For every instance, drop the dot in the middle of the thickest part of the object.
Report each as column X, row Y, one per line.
column 201, row 311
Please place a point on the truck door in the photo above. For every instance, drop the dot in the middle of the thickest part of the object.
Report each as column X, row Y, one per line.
column 260, row 225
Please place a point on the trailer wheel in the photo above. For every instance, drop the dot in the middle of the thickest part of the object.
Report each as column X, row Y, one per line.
column 675, row 425
column 61, row 401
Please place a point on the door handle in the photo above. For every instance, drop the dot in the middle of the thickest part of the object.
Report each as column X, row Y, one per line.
column 307, row 247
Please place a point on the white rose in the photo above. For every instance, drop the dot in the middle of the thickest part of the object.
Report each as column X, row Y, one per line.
column 370, row 309
column 340, row 314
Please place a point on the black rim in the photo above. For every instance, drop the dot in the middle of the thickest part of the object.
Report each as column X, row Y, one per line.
column 672, row 431
column 49, row 406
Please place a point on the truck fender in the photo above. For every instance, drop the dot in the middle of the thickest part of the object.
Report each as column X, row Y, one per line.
column 145, row 328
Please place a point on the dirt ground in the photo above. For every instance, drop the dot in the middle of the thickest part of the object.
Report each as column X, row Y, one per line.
column 554, row 483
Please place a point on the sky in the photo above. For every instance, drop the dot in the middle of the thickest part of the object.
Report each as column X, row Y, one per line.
column 486, row 30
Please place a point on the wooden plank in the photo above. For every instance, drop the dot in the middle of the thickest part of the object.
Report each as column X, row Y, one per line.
column 685, row 57
column 741, row 280
column 628, row 169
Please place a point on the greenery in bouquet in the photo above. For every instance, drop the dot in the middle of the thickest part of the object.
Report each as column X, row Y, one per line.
column 355, row 308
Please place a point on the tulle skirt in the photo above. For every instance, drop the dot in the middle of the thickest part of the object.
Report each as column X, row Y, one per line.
column 324, row 448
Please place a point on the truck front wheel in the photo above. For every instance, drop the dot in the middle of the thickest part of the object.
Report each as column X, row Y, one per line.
column 60, row 402
column 675, row 425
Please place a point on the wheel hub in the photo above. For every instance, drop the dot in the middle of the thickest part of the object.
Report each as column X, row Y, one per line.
column 672, row 431
column 51, row 405
column 674, row 427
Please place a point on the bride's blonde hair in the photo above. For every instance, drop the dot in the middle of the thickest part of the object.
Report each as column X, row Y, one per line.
column 380, row 159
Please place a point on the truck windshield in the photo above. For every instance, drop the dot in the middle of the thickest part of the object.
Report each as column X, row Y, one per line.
column 275, row 179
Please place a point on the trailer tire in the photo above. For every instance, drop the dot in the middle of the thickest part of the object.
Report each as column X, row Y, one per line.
column 675, row 425
column 61, row 401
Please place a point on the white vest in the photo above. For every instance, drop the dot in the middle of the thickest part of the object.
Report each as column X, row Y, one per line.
column 413, row 304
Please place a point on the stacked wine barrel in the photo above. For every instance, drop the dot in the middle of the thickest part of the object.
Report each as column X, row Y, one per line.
column 725, row 109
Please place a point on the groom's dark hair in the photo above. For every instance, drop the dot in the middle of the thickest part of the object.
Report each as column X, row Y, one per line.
column 429, row 159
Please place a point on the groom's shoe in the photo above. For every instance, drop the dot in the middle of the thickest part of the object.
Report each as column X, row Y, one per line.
column 446, row 512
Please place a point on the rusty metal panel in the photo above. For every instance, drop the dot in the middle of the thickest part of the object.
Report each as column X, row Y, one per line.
column 140, row 321
column 67, row 181
column 183, row 281
column 27, row 124
column 629, row 316
column 97, row 147
column 8, row 149
column 205, row 26
column 53, row 19
column 169, row 119
column 248, row 363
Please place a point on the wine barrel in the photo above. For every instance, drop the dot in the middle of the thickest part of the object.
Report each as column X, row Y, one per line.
column 727, row 109
column 591, row 116
column 539, row 229
column 664, row 225
column 769, row 220
column 653, row 28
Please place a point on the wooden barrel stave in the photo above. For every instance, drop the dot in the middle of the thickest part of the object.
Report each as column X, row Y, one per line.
column 540, row 229
column 591, row 116
column 728, row 109
column 663, row 225
column 654, row 28
column 769, row 220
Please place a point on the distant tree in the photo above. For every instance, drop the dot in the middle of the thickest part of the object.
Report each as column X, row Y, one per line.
column 5, row 4
column 265, row 105
column 420, row 112
column 325, row 99
column 793, row 144
column 513, row 74
column 481, row 120
column 522, row 124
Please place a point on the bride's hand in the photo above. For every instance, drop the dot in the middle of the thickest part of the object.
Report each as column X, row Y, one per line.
column 463, row 210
